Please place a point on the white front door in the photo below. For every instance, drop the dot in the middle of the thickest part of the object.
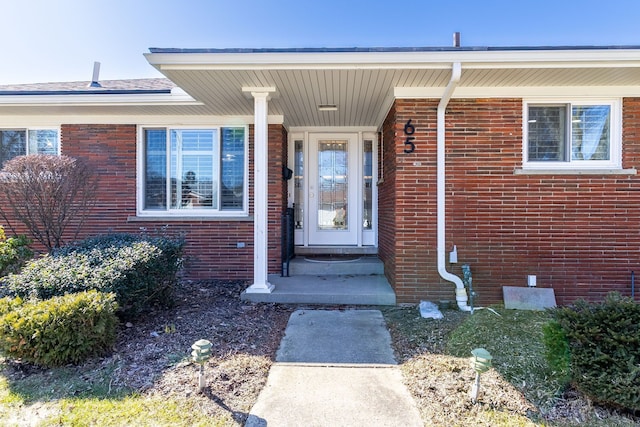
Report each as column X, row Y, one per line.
column 333, row 189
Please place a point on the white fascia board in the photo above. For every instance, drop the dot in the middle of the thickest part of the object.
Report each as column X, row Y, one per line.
column 100, row 99
column 519, row 92
column 396, row 60
column 7, row 121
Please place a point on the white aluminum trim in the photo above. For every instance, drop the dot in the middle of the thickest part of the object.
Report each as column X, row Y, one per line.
column 333, row 129
column 172, row 120
column 260, row 195
column 615, row 163
column 519, row 92
column 575, row 171
column 99, row 99
column 192, row 214
column 149, row 218
column 438, row 59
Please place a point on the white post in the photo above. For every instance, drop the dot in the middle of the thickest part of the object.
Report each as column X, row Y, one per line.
column 260, row 192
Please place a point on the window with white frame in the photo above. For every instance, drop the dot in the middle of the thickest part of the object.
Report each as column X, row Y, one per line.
column 572, row 134
column 19, row 142
column 201, row 170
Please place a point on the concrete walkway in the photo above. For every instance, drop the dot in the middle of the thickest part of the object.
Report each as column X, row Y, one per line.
column 335, row 368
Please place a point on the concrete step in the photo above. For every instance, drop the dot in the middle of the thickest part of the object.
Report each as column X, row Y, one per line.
column 364, row 265
column 372, row 289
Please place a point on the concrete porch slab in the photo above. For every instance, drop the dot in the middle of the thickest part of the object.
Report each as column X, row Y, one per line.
column 327, row 289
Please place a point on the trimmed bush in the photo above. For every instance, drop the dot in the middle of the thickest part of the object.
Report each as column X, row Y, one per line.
column 14, row 252
column 59, row 331
column 140, row 271
column 557, row 349
column 604, row 343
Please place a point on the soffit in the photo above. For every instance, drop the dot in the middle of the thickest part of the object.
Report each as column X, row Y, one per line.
column 364, row 95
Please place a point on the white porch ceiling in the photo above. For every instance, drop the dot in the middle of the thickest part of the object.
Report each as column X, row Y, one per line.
column 363, row 96
column 363, row 83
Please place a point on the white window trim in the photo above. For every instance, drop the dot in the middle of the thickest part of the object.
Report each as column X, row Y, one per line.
column 615, row 126
column 188, row 213
column 27, row 129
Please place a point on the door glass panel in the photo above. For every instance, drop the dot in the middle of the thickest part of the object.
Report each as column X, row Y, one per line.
column 332, row 185
column 298, row 185
column 367, row 185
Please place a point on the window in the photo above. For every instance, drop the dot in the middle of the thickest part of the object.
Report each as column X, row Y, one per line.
column 199, row 171
column 19, row 142
column 581, row 134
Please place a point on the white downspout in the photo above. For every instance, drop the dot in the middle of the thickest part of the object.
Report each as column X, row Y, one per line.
column 461, row 293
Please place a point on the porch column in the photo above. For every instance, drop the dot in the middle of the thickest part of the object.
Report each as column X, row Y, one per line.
column 260, row 190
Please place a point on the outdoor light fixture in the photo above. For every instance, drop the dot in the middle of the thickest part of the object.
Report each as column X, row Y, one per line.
column 200, row 354
column 327, row 107
column 481, row 362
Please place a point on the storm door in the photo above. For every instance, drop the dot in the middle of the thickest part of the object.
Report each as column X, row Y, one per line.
column 332, row 190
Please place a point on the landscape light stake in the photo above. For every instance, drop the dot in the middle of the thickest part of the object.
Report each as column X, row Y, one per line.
column 481, row 362
column 200, row 354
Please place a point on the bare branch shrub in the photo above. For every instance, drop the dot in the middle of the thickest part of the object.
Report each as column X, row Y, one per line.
column 48, row 194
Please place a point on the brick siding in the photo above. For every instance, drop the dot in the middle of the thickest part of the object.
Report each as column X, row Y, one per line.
column 578, row 233
column 211, row 250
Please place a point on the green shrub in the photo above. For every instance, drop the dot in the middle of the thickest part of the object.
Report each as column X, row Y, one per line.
column 60, row 330
column 140, row 271
column 557, row 349
column 14, row 252
column 604, row 342
column 9, row 304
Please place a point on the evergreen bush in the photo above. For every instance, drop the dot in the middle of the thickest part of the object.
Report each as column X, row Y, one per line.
column 604, row 343
column 14, row 252
column 141, row 271
column 58, row 331
column 557, row 349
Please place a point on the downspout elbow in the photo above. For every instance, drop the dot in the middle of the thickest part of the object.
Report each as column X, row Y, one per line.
column 461, row 294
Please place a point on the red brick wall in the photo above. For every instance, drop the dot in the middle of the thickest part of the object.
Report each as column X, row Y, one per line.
column 277, row 194
column 578, row 233
column 211, row 250
column 387, row 196
column 408, row 200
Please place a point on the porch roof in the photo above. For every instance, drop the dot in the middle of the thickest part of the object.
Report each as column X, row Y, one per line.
column 360, row 82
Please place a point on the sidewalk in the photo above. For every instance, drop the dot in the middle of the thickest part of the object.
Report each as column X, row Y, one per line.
column 335, row 368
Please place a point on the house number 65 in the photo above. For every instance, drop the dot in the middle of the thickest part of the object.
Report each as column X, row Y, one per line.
column 409, row 130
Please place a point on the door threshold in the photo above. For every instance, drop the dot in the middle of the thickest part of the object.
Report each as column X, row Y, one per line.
column 336, row 250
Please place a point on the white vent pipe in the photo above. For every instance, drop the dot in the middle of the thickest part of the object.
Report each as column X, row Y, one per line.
column 461, row 293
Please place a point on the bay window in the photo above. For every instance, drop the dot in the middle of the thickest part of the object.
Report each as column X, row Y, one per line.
column 572, row 135
column 194, row 171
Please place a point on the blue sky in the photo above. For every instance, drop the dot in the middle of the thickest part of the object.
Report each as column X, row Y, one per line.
column 58, row 40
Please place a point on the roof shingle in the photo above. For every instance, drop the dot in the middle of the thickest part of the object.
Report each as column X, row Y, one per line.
column 156, row 85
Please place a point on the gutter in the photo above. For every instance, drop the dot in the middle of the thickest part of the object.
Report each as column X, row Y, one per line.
column 461, row 293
